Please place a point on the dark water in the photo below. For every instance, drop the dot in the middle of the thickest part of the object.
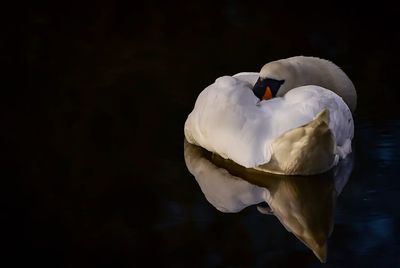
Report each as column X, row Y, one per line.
column 95, row 137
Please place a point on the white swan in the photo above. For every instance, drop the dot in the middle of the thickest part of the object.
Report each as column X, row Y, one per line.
column 280, row 120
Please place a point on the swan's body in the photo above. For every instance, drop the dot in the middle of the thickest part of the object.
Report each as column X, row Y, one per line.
column 283, row 135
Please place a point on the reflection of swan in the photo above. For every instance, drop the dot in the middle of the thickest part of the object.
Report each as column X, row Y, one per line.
column 303, row 204
column 224, row 191
column 302, row 131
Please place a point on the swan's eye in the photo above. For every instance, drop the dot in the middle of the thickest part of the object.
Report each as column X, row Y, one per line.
column 274, row 85
column 259, row 88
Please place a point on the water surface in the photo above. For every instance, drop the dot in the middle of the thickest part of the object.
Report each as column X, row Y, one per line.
column 95, row 134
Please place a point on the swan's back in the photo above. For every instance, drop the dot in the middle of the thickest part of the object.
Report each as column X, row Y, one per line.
column 300, row 71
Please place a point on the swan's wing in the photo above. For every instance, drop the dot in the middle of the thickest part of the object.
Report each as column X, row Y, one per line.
column 250, row 77
column 227, row 120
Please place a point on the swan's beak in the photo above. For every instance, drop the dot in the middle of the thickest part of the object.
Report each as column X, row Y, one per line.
column 267, row 94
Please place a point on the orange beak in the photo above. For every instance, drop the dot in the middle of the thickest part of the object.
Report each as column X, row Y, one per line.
column 267, row 94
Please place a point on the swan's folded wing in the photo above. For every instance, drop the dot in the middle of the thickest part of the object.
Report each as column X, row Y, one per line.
column 250, row 77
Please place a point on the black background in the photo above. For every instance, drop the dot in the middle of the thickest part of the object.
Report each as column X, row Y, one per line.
column 93, row 133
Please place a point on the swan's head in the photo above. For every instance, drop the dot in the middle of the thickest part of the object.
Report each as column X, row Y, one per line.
column 266, row 88
column 272, row 76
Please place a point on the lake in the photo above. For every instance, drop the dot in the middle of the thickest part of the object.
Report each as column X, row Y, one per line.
column 97, row 141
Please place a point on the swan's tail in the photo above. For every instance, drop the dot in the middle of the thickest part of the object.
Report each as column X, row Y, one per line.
column 305, row 150
column 323, row 116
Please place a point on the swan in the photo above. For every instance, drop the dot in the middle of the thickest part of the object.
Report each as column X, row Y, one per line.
column 294, row 117
column 303, row 204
